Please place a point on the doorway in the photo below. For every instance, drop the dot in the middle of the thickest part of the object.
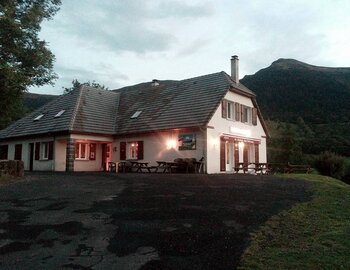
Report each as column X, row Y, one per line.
column 229, row 156
column 106, row 155
column 31, row 156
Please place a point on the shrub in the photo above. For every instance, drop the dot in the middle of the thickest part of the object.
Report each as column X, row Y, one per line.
column 346, row 176
column 330, row 164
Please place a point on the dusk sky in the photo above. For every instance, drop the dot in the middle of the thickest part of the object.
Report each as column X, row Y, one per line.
column 119, row 43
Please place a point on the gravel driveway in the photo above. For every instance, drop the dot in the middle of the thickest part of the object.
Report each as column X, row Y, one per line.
column 136, row 221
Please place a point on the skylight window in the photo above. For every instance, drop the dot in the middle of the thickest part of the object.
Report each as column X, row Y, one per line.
column 136, row 114
column 60, row 113
column 38, row 117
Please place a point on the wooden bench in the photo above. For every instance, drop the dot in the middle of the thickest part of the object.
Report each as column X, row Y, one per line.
column 292, row 168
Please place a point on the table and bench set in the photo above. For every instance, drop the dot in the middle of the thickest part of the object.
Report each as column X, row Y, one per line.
column 191, row 165
column 180, row 165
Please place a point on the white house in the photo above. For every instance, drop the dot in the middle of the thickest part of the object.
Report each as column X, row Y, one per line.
column 212, row 116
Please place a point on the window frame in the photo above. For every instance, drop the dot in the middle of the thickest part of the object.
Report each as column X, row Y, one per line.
column 230, row 113
column 246, row 114
column 78, row 145
column 44, row 149
column 132, row 150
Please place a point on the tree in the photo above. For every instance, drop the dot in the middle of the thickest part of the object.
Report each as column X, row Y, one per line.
column 76, row 85
column 25, row 60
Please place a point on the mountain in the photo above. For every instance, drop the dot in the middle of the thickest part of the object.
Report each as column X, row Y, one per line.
column 33, row 101
column 317, row 98
column 289, row 89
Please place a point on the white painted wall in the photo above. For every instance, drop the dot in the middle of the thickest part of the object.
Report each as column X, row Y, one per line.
column 60, row 150
column 156, row 146
column 91, row 165
column 221, row 125
column 38, row 165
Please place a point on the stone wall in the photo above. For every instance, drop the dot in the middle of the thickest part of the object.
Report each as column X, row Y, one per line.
column 12, row 167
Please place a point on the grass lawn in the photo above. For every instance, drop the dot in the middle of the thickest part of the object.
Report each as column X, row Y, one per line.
column 311, row 235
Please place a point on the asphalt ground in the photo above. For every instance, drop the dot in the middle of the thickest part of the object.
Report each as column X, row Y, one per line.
column 137, row 221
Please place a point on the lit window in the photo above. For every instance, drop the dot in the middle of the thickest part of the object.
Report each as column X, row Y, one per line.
column 45, row 150
column 136, row 114
column 132, row 150
column 81, row 150
column 60, row 113
column 38, row 117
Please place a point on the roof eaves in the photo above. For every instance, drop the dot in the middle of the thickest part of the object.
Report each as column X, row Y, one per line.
column 261, row 118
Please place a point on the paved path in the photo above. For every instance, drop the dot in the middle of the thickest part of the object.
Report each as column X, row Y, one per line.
column 136, row 221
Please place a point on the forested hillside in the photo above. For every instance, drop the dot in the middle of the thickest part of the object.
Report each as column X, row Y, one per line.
column 33, row 101
column 309, row 102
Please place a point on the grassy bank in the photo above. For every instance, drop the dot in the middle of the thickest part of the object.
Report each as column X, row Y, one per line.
column 311, row 235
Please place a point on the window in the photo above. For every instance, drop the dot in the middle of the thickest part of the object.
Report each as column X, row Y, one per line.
column 81, row 151
column 136, row 114
column 3, row 151
column 18, row 152
column 230, row 110
column 59, row 113
column 132, row 150
column 246, row 114
column 44, row 150
column 38, row 117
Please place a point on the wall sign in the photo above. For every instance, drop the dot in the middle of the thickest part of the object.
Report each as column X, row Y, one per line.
column 92, row 155
column 187, row 142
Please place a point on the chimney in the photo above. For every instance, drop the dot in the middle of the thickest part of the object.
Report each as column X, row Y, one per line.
column 155, row 82
column 235, row 69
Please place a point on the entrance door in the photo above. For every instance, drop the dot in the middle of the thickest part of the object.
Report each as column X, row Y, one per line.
column 31, row 156
column 106, row 155
column 229, row 156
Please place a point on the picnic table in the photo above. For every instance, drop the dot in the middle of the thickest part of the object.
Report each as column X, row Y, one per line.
column 252, row 167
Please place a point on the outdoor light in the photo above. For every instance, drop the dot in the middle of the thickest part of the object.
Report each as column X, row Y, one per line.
column 171, row 144
column 241, row 144
column 215, row 142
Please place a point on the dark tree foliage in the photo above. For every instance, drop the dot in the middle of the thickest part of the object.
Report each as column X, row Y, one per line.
column 76, row 85
column 25, row 60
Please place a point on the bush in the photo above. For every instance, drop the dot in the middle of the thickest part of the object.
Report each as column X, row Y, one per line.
column 346, row 176
column 330, row 164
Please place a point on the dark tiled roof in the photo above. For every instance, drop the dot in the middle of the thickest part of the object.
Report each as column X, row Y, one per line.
column 48, row 123
column 171, row 104
column 87, row 109
column 96, row 111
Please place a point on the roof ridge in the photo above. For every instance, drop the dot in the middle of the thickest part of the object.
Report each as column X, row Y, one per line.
column 116, row 112
column 75, row 111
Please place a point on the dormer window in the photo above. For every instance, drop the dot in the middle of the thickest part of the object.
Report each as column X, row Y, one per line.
column 38, row 117
column 136, row 114
column 59, row 113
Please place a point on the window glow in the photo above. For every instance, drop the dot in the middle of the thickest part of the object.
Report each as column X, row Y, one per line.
column 81, row 151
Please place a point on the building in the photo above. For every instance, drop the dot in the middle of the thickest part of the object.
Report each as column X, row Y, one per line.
column 212, row 116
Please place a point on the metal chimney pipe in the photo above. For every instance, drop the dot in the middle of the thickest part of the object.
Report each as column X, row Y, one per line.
column 235, row 69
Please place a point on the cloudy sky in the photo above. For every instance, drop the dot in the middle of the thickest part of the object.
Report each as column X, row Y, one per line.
column 124, row 42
